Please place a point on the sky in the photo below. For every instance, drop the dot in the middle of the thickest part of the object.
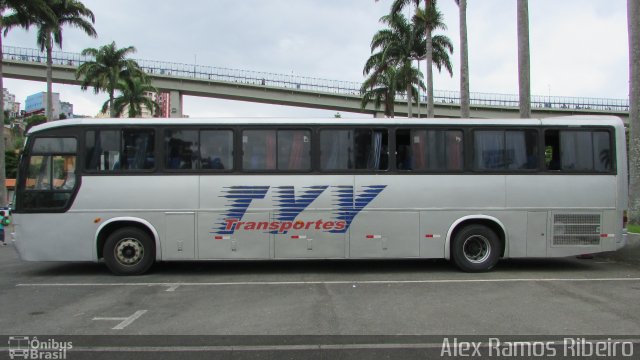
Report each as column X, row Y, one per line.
column 579, row 48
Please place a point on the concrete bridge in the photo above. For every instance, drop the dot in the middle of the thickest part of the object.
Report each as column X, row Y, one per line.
column 233, row 84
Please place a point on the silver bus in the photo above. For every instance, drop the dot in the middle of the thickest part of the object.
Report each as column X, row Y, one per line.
column 132, row 192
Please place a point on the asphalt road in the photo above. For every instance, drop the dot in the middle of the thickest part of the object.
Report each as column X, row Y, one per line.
column 371, row 300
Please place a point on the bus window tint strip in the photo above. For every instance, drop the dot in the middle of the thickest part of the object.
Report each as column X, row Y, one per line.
column 54, row 146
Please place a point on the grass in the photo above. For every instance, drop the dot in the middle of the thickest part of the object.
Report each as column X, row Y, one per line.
column 633, row 228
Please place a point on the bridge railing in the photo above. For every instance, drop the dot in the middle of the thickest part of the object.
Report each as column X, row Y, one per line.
column 296, row 82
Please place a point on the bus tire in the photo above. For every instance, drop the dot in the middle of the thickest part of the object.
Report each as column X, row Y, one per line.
column 475, row 248
column 129, row 251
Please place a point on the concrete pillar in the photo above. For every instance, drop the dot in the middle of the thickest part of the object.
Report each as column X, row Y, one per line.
column 175, row 103
column 378, row 115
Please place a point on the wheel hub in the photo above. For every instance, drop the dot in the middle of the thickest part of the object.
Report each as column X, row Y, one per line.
column 476, row 249
column 129, row 251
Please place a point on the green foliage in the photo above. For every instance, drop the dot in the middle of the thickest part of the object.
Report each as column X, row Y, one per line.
column 133, row 97
column 109, row 67
column 633, row 228
column 18, row 143
column 390, row 67
column 11, row 159
column 35, row 120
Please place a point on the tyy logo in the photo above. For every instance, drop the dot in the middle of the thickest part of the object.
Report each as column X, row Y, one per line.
column 347, row 204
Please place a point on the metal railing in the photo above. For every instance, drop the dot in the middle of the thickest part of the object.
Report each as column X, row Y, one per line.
column 349, row 88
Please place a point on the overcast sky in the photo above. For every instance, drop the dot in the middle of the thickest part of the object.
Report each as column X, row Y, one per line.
column 578, row 47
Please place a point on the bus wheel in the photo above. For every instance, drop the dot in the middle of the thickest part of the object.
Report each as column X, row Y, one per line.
column 129, row 251
column 475, row 248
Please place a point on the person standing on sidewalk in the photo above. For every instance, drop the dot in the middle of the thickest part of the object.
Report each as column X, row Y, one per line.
column 4, row 221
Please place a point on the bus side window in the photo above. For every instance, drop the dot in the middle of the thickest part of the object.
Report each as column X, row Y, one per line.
column 138, row 149
column 578, row 151
column 552, row 150
column 216, row 149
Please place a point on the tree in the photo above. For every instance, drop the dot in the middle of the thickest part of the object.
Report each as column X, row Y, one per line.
column 524, row 69
column 109, row 67
column 66, row 13
column 431, row 12
column 11, row 169
column 134, row 95
column 465, row 101
column 34, row 120
column 13, row 13
column 381, row 89
column 398, row 45
column 633, row 26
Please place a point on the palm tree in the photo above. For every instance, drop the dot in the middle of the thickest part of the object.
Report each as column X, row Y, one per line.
column 134, row 96
column 633, row 25
column 400, row 44
column 431, row 10
column 109, row 67
column 66, row 12
column 382, row 87
column 465, row 101
column 19, row 13
column 524, row 69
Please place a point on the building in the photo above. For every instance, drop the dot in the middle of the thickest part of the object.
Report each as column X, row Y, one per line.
column 37, row 104
column 66, row 109
column 15, row 112
column 163, row 99
column 10, row 103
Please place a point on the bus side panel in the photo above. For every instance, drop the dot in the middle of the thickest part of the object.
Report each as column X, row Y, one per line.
column 424, row 207
column 55, row 237
column 580, row 208
column 134, row 193
column 155, row 199
column 561, row 191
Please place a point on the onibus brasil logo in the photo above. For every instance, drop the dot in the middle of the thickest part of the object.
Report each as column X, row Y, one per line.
column 347, row 202
column 25, row 347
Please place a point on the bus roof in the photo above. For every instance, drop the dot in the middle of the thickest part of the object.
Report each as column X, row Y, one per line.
column 583, row 120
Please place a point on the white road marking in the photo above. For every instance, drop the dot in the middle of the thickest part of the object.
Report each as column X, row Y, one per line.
column 174, row 285
column 124, row 321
